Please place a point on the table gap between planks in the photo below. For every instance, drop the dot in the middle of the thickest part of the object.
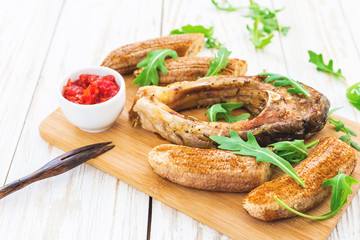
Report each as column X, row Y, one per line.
column 51, row 39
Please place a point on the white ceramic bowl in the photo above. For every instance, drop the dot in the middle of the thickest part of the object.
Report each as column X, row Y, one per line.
column 96, row 117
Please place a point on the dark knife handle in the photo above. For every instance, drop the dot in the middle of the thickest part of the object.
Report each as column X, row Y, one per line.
column 57, row 166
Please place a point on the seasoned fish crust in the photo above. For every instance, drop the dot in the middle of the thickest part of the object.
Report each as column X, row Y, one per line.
column 125, row 59
column 280, row 115
column 208, row 169
column 191, row 68
column 323, row 163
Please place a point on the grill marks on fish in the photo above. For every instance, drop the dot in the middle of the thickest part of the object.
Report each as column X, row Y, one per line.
column 125, row 58
column 191, row 68
column 280, row 115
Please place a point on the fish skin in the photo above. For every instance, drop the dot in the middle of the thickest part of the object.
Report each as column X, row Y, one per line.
column 280, row 115
column 125, row 58
column 329, row 156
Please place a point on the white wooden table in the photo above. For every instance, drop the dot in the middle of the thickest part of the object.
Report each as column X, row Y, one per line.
column 40, row 41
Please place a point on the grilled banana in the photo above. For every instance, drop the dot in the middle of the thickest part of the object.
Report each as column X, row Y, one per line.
column 208, row 169
column 323, row 163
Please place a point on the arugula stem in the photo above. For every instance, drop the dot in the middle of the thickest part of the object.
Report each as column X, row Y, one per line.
column 341, row 189
column 310, row 145
column 340, row 126
column 237, row 145
column 324, row 216
column 280, row 80
column 230, row 8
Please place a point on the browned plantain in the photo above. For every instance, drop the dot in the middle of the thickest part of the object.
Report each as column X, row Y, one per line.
column 329, row 156
column 208, row 169
column 191, row 68
column 125, row 59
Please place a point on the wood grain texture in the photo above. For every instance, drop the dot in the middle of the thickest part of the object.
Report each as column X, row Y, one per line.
column 87, row 203
column 57, row 166
column 324, row 31
column 221, row 211
column 84, row 203
column 19, row 68
column 230, row 29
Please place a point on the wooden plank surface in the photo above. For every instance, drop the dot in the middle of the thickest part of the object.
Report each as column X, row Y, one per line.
column 322, row 31
column 221, row 211
column 19, row 71
column 84, row 203
column 26, row 32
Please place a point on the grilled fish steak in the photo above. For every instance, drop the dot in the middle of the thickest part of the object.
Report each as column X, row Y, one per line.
column 280, row 115
column 323, row 163
column 191, row 68
column 125, row 59
column 208, row 169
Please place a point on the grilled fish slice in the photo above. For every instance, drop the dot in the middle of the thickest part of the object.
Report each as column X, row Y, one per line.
column 280, row 115
column 191, row 68
column 208, row 169
column 323, row 163
column 125, row 59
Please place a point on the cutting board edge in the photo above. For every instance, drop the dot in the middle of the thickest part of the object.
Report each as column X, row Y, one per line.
column 330, row 227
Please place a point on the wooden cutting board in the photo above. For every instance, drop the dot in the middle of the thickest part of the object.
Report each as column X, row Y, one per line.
column 221, row 211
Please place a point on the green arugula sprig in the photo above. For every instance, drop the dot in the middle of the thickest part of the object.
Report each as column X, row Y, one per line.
column 353, row 95
column 225, row 6
column 223, row 111
column 292, row 151
column 210, row 41
column 251, row 148
column 260, row 36
column 281, row 80
column 267, row 18
column 318, row 60
column 341, row 189
column 340, row 126
column 155, row 60
column 220, row 62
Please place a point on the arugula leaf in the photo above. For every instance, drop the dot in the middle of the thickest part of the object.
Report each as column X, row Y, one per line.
column 311, row 144
column 285, row 81
column 154, row 60
column 340, row 126
column 347, row 139
column 292, row 151
column 258, row 38
column 267, row 18
column 210, row 42
column 341, row 189
column 284, row 30
column 219, row 63
column 353, row 95
column 223, row 111
column 341, row 185
column 252, row 148
column 318, row 60
column 226, row 6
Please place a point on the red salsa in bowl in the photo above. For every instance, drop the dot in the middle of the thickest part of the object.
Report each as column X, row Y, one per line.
column 90, row 89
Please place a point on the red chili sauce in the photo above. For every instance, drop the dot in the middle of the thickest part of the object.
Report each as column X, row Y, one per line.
column 90, row 89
